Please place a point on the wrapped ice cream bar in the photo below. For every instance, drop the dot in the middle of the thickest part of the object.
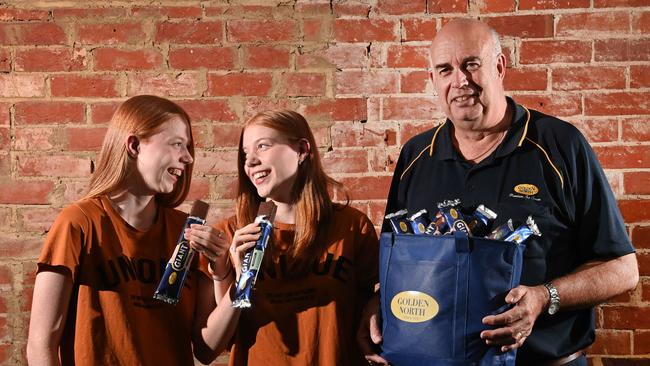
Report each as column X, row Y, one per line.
column 502, row 231
column 419, row 222
column 481, row 221
column 399, row 223
column 438, row 226
column 524, row 231
column 454, row 219
column 253, row 258
column 170, row 286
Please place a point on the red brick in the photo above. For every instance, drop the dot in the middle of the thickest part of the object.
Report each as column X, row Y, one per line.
column 5, row 60
column 315, row 29
column 566, row 105
column 5, row 224
column 75, row 190
column 37, row 219
column 167, row 11
column 637, row 211
column 10, row 15
column 409, row 109
column 644, row 263
column 636, row 129
column 46, row 112
column 25, row 192
column 401, row 7
column 415, row 29
column 6, row 275
column 50, row 59
column 339, row 109
column 68, row 85
column 262, row 30
column 641, row 237
column 408, row 56
column 102, row 112
column 365, row 30
column 497, row 6
column 252, row 11
column 346, row 134
column 34, row 139
column 617, row 103
column 641, row 342
column 190, row 32
column 183, row 84
column 641, row 22
column 382, row 160
column 588, row 77
column 612, row 342
column 303, row 84
column 345, row 161
column 625, row 317
column 366, row 82
column 636, row 182
column 552, row 4
column 253, row 105
column 414, row 82
column 215, row 162
column 351, row 8
column 616, row 3
column 598, row 130
column 620, row 157
column 366, row 188
column 113, row 59
column 84, row 139
column 32, row 34
column 208, row 110
column 22, row 85
column 447, row 6
column 239, row 84
column 264, row 56
column 4, row 114
column 225, row 135
column 543, row 52
column 199, row 190
column 111, row 33
column 529, row 78
column 89, row 13
column 645, row 289
column 524, row 26
column 313, row 7
column 5, row 352
column 339, row 56
column 53, row 165
column 639, row 76
column 214, row 58
column 593, row 24
column 622, row 50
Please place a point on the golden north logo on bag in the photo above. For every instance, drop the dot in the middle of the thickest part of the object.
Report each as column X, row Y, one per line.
column 526, row 189
column 414, row 306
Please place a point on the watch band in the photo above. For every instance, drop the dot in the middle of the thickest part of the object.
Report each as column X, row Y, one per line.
column 554, row 305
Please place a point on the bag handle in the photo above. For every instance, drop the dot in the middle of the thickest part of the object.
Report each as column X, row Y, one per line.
column 462, row 294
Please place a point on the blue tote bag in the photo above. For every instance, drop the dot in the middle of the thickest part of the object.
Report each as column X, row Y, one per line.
column 434, row 292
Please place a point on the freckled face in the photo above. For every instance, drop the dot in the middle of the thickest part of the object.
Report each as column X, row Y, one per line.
column 271, row 162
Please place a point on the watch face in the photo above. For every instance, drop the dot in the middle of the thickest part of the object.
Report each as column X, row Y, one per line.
column 553, row 309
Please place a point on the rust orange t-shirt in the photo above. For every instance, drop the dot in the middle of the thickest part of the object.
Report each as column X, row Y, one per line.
column 309, row 319
column 112, row 318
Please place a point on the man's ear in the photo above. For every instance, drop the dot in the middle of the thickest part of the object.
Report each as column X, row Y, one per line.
column 501, row 65
column 133, row 146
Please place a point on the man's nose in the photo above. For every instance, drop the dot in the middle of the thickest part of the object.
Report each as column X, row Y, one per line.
column 459, row 79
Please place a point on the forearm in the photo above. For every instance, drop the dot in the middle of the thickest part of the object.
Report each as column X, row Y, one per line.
column 595, row 282
column 40, row 354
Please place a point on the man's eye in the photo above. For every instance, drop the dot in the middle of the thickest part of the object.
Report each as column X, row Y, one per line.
column 473, row 66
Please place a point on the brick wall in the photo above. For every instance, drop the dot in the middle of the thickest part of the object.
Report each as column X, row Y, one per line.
column 356, row 69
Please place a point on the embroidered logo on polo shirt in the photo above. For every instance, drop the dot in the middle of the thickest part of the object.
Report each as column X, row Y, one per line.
column 526, row 189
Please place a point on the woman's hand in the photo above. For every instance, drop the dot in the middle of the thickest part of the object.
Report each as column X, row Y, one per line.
column 243, row 240
column 213, row 245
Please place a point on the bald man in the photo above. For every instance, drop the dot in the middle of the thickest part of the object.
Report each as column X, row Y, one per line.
column 518, row 162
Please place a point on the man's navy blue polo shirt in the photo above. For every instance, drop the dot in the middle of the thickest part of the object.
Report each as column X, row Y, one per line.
column 545, row 168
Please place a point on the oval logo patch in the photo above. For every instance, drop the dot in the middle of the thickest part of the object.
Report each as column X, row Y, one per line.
column 526, row 189
column 414, row 306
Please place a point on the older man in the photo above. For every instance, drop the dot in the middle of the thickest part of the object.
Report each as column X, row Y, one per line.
column 519, row 162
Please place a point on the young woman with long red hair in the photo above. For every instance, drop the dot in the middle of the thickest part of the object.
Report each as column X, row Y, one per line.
column 320, row 265
column 106, row 253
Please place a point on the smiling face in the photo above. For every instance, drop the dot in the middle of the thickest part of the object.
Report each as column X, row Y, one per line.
column 271, row 162
column 468, row 76
column 162, row 157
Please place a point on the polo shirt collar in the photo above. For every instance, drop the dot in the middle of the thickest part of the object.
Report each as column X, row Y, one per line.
column 444, row 149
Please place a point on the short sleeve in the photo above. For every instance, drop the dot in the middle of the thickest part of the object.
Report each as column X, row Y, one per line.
column 65, row 240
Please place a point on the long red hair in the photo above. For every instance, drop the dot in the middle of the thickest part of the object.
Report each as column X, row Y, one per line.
column 314, row 206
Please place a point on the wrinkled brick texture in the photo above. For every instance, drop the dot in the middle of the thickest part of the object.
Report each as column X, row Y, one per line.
column 357, row 69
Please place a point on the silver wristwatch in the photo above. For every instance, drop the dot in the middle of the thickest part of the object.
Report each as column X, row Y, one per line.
column 554, row 305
